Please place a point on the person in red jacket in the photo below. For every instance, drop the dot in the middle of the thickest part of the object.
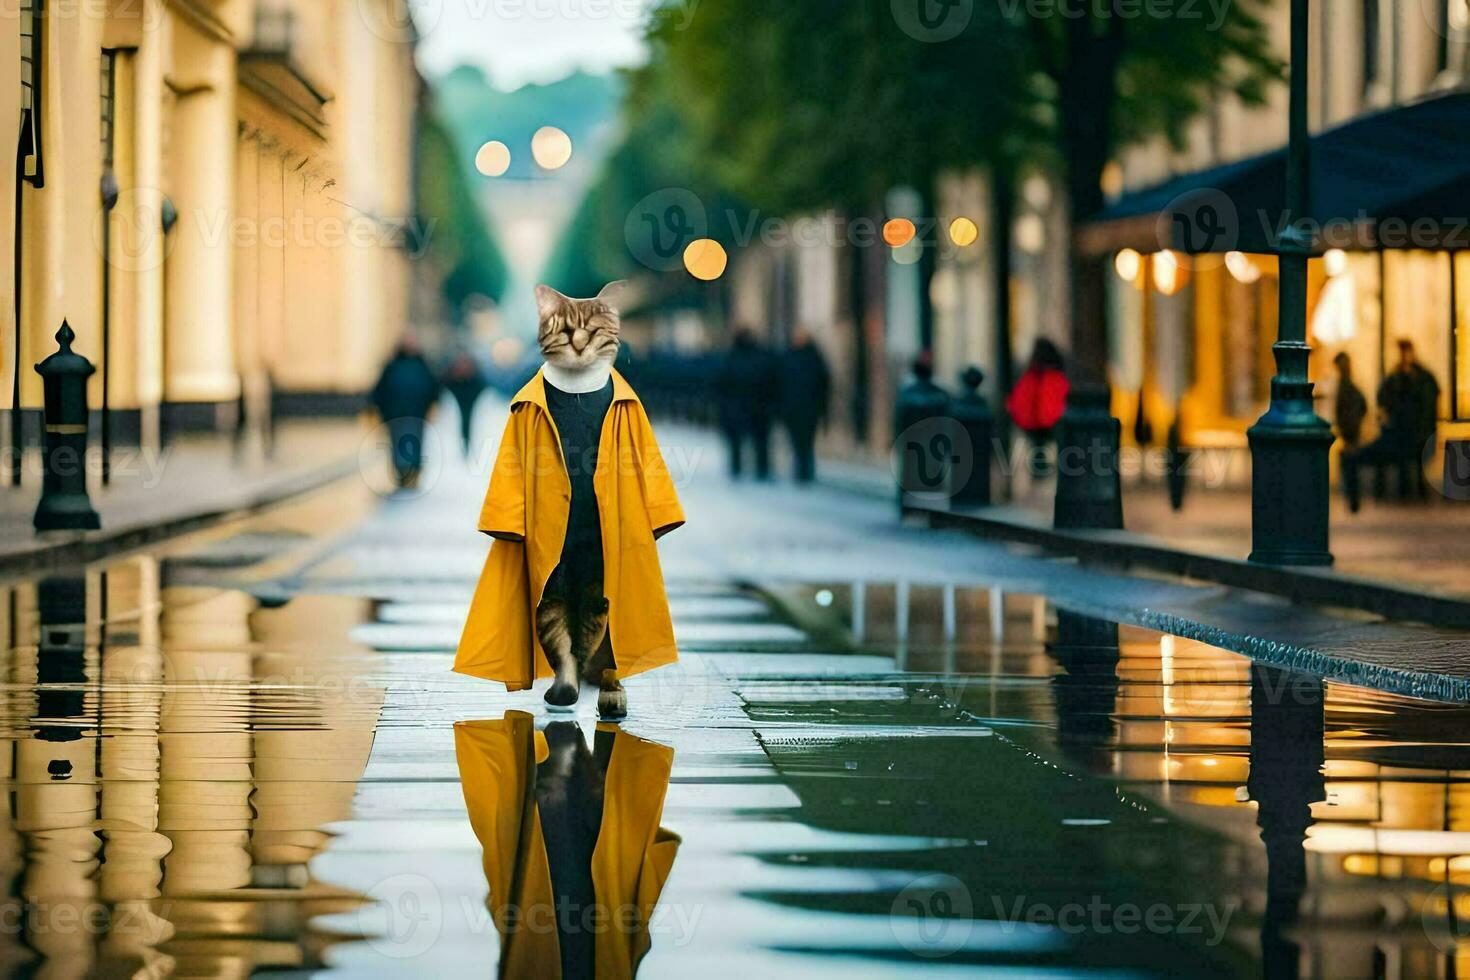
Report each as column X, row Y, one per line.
column 1037, row 401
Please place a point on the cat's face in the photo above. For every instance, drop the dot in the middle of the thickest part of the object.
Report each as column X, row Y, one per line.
column 577, row 333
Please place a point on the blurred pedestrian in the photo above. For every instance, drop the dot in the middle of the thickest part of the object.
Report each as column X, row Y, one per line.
column 1408, row 406
column 404, row 395
column 746, row 387
column 806, row 386
column 1038, row 400
column 466, row 383
column 1350, row 405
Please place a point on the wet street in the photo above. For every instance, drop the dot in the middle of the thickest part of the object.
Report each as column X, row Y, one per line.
column 244, row 751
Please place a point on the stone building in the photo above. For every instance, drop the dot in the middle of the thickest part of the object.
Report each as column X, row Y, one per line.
column 215, row 194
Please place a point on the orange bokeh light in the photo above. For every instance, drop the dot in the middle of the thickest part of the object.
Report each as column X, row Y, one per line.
column 898, row 232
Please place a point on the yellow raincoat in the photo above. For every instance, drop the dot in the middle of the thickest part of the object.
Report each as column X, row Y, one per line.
column 631, row 862
column 526, row 510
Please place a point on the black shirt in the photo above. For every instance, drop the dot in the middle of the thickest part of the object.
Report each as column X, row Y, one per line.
column 579, row 419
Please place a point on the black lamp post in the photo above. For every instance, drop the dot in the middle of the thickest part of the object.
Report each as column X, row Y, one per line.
column 64, row 504
column 1290, row 487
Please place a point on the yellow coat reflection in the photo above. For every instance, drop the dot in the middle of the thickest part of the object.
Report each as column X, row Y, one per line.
column 573, row 851
column 525, row 510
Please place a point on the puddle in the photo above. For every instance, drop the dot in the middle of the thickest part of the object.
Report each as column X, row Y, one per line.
column 874, row 779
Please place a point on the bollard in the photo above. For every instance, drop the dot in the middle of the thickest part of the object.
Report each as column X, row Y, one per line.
column 924, row 436
column 64, row 504
column 972, row 412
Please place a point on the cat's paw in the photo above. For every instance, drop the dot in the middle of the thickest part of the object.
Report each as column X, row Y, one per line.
column 561, row 695
column 612, row 704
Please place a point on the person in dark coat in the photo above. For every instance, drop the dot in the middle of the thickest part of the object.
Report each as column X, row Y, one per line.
column 806, row 387
column 466, row 383
column 405, row 393
column 1408, row 403
column 746, row 387
column 1350, row 406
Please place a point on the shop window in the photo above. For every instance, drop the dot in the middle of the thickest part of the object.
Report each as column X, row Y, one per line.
column 1416, row 293
column 32, row 50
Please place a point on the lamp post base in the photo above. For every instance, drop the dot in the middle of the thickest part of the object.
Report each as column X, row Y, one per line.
column 1089, row 487
column 1290, row 482
column 66, row 512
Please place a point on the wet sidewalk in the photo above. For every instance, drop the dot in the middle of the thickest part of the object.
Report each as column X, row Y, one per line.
column 876, row 757
column 194, row 480
column 1397, row 559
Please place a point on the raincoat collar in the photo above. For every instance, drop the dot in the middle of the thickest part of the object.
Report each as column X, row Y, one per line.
column 534, row 391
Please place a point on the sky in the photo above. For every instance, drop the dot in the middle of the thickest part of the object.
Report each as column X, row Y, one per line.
column 520, row 41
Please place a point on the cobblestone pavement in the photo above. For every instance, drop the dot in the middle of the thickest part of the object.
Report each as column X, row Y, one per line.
column 880, row 754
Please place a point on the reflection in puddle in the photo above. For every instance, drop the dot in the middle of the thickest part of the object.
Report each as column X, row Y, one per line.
column 890, row 778
column 573, row 851
column 1335, row 817
column 166, row 785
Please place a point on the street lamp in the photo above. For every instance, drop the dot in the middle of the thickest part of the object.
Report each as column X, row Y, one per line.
column 1290, row 444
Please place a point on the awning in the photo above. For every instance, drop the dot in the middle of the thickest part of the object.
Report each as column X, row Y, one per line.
column 1399, row 178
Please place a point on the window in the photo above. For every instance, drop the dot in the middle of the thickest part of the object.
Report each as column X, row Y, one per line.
column 1372, row 37
column 108, row 103
column 32, row 51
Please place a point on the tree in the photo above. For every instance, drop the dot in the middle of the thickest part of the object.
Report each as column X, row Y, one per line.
column 829, row 103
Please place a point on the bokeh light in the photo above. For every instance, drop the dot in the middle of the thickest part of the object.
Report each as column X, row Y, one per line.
column 493, row 159
column 705, row 259
column 551, row 148
column 1243, row 268
column 1168, row 272
column 963, row 232
column 1335, row 262
column 1031, row 234
column 898, row 232
column 1127, row 264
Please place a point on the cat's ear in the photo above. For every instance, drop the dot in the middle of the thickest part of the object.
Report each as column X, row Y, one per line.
column 548, row 300
column 611, row 294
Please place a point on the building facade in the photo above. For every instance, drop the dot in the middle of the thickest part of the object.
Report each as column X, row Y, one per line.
column 214, row 194
column 1191, row 335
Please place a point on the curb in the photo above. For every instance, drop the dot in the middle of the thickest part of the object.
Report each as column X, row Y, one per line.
column 65, row 548
column 1124, row 549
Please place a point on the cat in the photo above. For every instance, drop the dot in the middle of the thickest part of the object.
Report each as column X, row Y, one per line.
column 570, row 788
column 579, row 339
column 578, row 334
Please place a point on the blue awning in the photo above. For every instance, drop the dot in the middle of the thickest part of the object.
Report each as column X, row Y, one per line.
column 1399, row 178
